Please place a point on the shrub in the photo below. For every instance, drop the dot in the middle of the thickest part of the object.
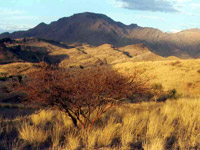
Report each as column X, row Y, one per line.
column 173, row 94
column 160, row 95
column 83, row 94
column 175, row 63
column 198, row 71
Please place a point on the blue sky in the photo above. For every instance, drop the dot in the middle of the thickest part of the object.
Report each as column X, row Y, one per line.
column 166, row 15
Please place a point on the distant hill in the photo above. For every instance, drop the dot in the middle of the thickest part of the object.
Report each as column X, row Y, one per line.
column 97, row 29
column 34, row 50
column 31, row 50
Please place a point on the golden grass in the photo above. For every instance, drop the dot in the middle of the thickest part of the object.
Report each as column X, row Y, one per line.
column 16, row 68
column 73, row 141
column 152, row 124
column 101, row 136
column 42, row 117
column 56, row 134
column 174, row 124
column 155, row 144
column 62, row 117
column 127, row 130
column 181, row 75
column 32, row 134
column 155, row 124
column 106, row 135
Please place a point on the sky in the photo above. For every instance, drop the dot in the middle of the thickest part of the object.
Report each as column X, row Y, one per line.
column 166, row 15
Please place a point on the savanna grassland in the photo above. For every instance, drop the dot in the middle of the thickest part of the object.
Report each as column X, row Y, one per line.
column 182, row 75
column 155, row 126
column 165, row 116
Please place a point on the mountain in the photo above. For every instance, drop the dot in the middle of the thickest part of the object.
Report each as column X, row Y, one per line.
column 94, row 29
column 98, row 29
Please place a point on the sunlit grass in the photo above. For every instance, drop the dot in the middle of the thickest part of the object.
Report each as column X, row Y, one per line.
column 183, row 75
column 174, row 124
column 42, row 117
column 56, row 134
column 73, row 141
column 32, row 134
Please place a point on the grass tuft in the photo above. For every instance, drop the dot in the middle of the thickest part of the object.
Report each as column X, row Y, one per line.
column 32, row 134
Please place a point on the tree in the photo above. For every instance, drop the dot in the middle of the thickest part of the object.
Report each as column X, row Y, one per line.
column 83, row 94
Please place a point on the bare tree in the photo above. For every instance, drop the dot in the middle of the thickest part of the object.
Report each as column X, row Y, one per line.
column 83, row 94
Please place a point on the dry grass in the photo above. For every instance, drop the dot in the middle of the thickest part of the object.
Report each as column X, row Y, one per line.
column 182, row 75
column 42, row 118
column 174, row 124
column 16, row 69
column 105, row 136
column 32, row 134
column 155, row 144
column 56, row 134
column 73, row 141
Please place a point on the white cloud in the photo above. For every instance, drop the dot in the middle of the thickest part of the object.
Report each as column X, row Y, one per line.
column 8, row 14
column 182, row 5
column 195, row 6
column 10, row 19
column 6, row 11
column 24, row 17
column 180, row 1
column 119, row 4
column 190, row 25
column 14, row 27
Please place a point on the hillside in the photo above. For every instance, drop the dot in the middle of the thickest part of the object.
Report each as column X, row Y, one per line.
column 182, row 75
column 97, row 29
column 171, row 72
column 22, row 55
column 35, row 50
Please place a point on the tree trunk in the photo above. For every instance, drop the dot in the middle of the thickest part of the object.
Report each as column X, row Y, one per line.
column 73, row 118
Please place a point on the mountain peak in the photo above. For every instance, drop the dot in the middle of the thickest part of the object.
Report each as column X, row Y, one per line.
column 133, row 25
column 41, row 25
column 90, row 15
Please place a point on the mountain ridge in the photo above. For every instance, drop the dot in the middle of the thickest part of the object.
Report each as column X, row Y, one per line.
column 97, row 29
